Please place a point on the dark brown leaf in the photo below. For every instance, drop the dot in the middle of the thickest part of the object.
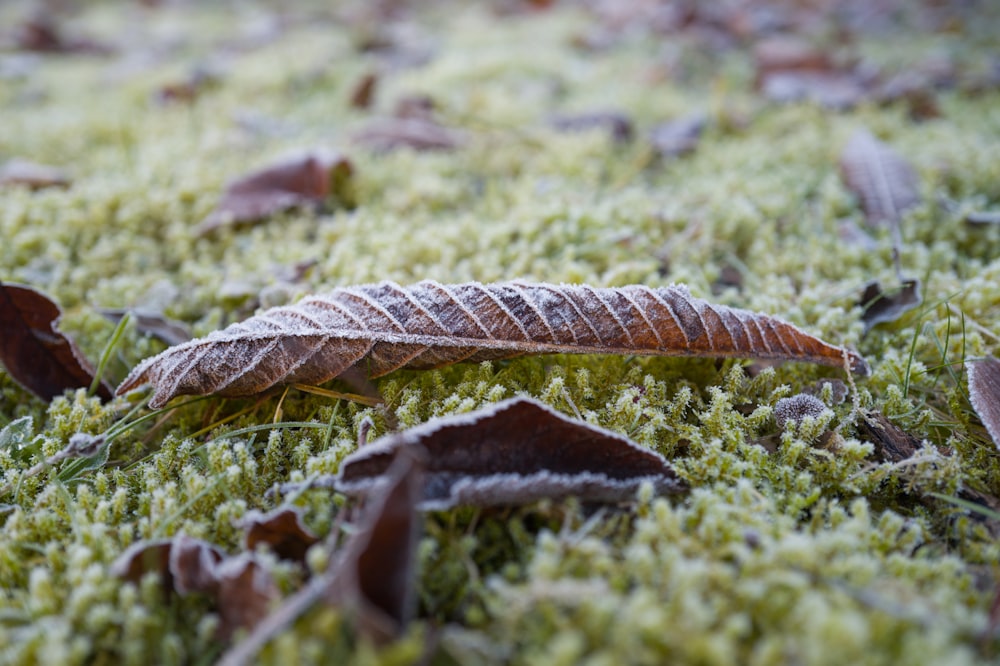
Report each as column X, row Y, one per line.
column 514, row 452
column 384, row 327
column 892, row 443
column 885, row 183
column 33, row 350
column 879, row 307
column 282, row 531
column 240, row 588
column 783, row 53
column 41, row 34
column 677, row 137
column 303, row 181
column 150, row 323
column 984, row 392
column 186, row 91
column 363, row 94
column 376, row 575
column 415, row 133
column 616, row 123
column 33, row 176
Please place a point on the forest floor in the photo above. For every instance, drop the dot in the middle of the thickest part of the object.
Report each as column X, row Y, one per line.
column 599, row 143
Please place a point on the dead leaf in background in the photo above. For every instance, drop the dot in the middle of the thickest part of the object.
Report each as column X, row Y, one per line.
column 677, row 137
column 790, row 69
column 984, row 392
column 514, row 452
column 616, row 123
column 892, row 443
column 33, row 350
column 879, row 307
column 41, row 34
column 281, row 530
column 186, row 91
column 885, row 183
column 363, row 95
column 302, row 181
column 416, row 133
column 384, row 327
column 33, row 175
column 150, row 323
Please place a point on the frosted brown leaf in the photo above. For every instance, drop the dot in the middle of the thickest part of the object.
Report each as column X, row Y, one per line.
column 383, row 327
column 884, row 182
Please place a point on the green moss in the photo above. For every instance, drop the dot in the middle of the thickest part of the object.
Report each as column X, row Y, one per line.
column 795, row 545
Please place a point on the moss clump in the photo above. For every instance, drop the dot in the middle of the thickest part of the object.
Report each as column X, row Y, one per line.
column 796, row 544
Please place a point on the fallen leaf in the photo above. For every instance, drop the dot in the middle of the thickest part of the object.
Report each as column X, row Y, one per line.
column 415, row 133
column 879, row 307
column 832, row 90
column 376, row 575
column 892, row 443
column 241, row 589
column 151, row 323
column 514, row 452
column 190, row 88
column 33, row 350
column 303, row 181
column 32, row 175
column 885, row 183
column 984, row 392
column 282, row 531
column 782, row 53
column 363, row 94
column 616, row 123
column 41, row 34
column 384, row 327
column 677, row 137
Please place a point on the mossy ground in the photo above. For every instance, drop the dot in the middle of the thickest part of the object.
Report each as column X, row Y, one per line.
column 807, row 551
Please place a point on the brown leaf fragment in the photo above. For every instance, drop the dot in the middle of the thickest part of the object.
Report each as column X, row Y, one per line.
column 514, row 452
column 414, row 133
column 363, row 95
column 677, row 137
column 615, row 122
column 32, row 175
column 150, row 323
column 33, row 350
column 879, row 307
column 783, row 53
column 41, row 34
column 984, row 392
column 832, row 90
column 187, row 90
column 376, row 575
column 384, row 327
column 885, row 183
column 282, row 531
column 305, row 181
column 892, row 443
column 241, row 589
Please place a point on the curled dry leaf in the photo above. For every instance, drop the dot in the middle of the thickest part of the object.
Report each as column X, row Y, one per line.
column 885, row 183
column 32, row 175
column 303, row 181
column 376, row 574
column 33, row 350
column 514, row 452
column 984, row 392
column 383, row 327
column 879, row 307
column 280, row 530
column 240, row 587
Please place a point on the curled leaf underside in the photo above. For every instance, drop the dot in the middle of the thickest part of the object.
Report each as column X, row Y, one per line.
column 383, row 327
column 514, row 452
